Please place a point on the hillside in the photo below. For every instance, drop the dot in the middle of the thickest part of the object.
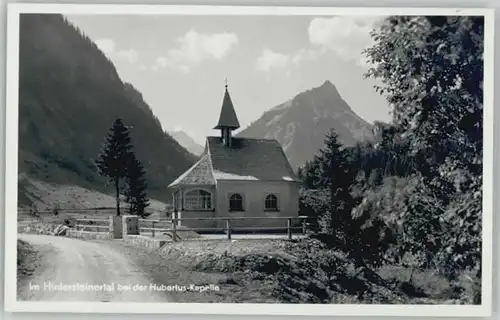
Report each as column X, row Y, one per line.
column 46, row 196
column 69, row 95
column 300, row 124
column 187, row 142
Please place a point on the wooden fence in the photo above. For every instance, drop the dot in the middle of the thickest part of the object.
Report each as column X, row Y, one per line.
column 93, row 224
column 171, row 226
column 77, row 211
column 174, row 228
column 68, row 210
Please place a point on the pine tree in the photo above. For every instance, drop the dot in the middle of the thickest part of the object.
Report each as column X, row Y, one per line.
column 136, row 187
column 115, row 156
column 333, row 168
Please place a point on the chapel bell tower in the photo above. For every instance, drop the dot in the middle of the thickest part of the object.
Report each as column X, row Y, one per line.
column 228, row 121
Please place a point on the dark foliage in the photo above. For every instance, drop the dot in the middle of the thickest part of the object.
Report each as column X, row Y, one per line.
column 136, row 192
column 310, row 272
column 414, row 196
column 437, row 99
column 55, row 210
column 434, row 82
column 116, row 157
column 333, row 188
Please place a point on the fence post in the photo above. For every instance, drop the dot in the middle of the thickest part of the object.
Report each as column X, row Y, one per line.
column 228, row 228
column 174, row 236
column 289, row 226
column 303, row 226
column 153, row 229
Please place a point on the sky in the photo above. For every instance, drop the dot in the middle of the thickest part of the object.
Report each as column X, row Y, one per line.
column 180, row 63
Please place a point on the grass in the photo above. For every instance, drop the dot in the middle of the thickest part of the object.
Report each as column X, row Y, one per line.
column 28, row 261
column 45, row 196
column 175, row 264
column 428, row 281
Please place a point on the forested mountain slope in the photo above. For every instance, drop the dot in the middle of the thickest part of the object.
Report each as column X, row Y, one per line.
column 69, row 95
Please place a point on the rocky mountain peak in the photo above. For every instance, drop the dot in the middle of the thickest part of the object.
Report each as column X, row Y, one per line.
column 301, row 123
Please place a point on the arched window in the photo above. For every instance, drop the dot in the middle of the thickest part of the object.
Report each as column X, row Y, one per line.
column 271, row 202
column 236, row 202
column 198, row 199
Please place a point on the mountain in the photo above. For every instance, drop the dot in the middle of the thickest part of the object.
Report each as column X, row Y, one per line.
column 187, row 142
column 300, row 124
column 69, row 95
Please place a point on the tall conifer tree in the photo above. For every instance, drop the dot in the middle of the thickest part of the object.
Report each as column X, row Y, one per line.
column 115, row 156
column 136, row 192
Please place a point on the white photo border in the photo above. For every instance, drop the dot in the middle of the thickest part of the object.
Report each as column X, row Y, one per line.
column 11, row 165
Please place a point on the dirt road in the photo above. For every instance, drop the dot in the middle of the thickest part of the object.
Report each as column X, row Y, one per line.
column 75, row 270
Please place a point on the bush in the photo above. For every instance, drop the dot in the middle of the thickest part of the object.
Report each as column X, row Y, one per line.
column 55, row 210
column 313, row 203
column 467, row 286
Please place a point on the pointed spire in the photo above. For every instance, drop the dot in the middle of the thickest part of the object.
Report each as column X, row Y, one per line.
column 227, row 118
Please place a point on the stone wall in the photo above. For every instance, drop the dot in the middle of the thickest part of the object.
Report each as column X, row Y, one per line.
column 144, row 242
column 87, row 235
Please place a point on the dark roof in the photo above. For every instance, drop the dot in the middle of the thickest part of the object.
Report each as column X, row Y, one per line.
column 249, row 159
column 228, row 116
column 246, row 159
column 199, row 174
